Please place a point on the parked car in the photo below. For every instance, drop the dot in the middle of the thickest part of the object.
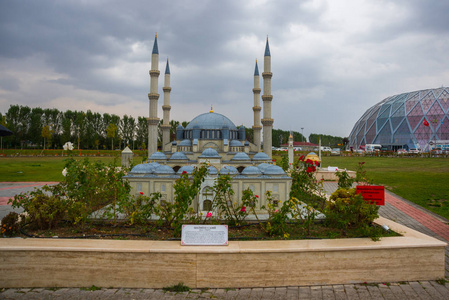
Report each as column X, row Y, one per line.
column 415, row 151
column 402, row 151
column 297, row 148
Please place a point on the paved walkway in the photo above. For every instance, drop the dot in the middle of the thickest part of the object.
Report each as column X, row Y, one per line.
column 396, row 209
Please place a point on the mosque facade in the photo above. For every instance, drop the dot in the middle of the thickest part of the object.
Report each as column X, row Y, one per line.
column 212, row 139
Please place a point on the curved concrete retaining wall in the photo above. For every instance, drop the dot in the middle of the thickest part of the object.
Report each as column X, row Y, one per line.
column 157, row 264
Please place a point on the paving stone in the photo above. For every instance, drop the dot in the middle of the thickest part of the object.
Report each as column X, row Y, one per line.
column 442, row 289
column 374, row 292
column 386, row 292
column 351, row 291
column 268, row 293
column 397, row 291
column 434, row 294
column 292, row 293
column 419, row 290
column 244, row 293
column 280, row 293
column 339, row 291
column 409, row 292
column 256, row 293
column 328, row 292
column 316, row 292
column 305, row 292
column 363, row 292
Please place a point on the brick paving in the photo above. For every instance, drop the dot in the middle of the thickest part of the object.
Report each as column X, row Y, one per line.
column 396, row 209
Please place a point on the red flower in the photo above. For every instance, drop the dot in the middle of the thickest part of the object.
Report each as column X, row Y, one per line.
column 209, row 215
column 274, row 160
column 309, row 161
column 141, row 193
column 243, row 209
column 256, row 196
column 316, row 163
column 184, row 172
column 301, row 158
column 309, row 170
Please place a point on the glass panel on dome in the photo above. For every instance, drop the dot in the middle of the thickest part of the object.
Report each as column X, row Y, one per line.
column 443, row 130
column 427, row 100
column 384, row 136
column 373, row 117
column 384, row 116
column 361, row 134
column 371, row 134
column 402, row 134
column 398, row 116
column 444, row 100
column 435, row 115
column 412, row 100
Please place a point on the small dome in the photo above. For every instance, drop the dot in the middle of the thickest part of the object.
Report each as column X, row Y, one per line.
column 263, row 166
column 157, row 156
column 180, row 127
column 212, row 170
column 251, row 170
column 209, row 152
column 143, row 169
column 228, row 170
column 174, row 143
column 235, row 143
column 187, row 143
column 188, row 169
column 246, row 143
column 261, row 156
column 274, row 170
column 178, row 156
column 164, row 169
column 241, row 156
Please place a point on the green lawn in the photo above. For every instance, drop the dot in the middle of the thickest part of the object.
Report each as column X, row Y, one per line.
column 424, row 181
column 40, row 168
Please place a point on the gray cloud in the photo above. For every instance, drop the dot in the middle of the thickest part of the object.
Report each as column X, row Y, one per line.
column 331, row 60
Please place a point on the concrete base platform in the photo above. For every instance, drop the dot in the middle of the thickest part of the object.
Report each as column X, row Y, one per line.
column 155, row 264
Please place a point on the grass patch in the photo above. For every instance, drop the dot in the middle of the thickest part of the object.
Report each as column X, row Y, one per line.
column 178, row 288
column 19, row 168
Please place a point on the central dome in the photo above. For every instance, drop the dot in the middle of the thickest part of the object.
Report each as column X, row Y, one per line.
column 211, row 120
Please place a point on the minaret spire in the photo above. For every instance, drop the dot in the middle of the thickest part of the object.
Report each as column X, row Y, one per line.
column 256, row 108
column 166, row 110
column 153, row 97
column 267, row 121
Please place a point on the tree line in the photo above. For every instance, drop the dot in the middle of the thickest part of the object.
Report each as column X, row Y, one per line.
column 328, row 140
column 51, row 128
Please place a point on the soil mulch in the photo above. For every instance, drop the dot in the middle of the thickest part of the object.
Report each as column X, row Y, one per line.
column 150, row 231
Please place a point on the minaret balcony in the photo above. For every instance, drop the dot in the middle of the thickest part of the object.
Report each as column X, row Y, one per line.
column 154, row 73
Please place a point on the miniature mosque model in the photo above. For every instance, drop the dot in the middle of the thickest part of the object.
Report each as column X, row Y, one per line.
column 212, row 139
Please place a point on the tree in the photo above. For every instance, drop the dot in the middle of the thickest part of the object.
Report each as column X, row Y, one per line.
column 112, row 129
column 46, row 134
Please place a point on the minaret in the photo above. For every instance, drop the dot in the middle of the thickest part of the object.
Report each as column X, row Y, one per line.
column 290, row 151
column 166, row 108
column 267, row 121
column 256, row 108
column 153, row 96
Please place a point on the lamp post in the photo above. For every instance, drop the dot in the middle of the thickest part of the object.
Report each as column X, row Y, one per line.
column 302, row 134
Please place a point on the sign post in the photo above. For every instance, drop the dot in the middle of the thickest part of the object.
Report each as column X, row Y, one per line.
column 372, row 193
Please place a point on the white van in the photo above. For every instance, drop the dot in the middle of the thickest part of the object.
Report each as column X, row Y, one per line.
column 369, row 148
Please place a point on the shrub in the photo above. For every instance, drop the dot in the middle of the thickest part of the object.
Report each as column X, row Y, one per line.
column 344, row 180
column 233, row 212
column 345, row 209
column 43, row 210
column 10, row 224
column 139, row 209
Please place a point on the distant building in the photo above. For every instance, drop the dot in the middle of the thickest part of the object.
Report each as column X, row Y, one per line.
column 414, row 120
column 305, row 146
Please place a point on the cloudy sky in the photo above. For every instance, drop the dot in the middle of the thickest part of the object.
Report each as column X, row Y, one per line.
column 331, row 60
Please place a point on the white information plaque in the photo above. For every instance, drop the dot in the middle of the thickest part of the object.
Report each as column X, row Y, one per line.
column 204, row 235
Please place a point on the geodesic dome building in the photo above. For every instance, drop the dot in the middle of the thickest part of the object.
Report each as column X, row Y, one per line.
column 411, row 120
